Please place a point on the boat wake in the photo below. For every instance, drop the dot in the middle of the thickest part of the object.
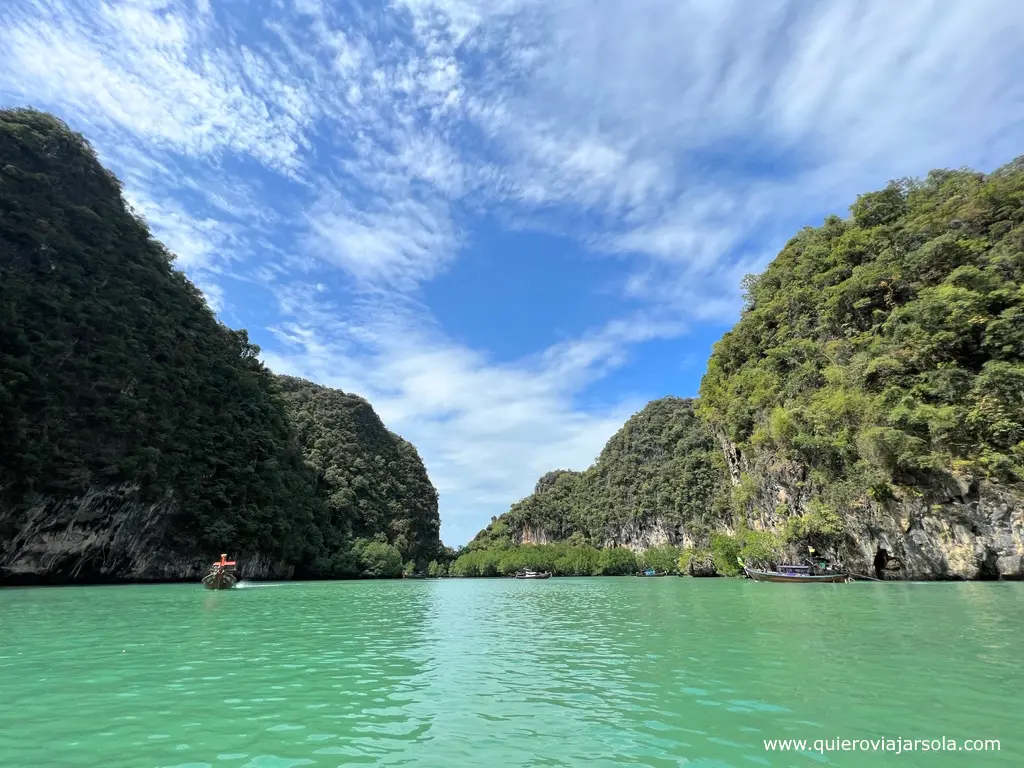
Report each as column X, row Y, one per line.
column 251, row 585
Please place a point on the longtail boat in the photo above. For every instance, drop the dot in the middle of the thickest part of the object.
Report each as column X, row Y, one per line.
column 650, row 572
column 797, row 574
column 221, row 575
column 528, row 574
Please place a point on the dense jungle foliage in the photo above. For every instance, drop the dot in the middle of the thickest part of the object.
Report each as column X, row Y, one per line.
column 886, row 349
column 719, row 555
column 562, row 559
column 115, row 371
column 373, row 481
column 662, row 468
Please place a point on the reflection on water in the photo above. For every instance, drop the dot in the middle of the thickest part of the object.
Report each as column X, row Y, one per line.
column 595, row 672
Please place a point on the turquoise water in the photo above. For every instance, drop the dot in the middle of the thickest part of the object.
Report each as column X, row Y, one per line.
column 564, row 672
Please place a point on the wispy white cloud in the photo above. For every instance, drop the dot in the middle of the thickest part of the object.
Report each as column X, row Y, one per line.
column 143, row 68
column 332, row 151
column 398, row 244
column 195, row 241
column 486, row 428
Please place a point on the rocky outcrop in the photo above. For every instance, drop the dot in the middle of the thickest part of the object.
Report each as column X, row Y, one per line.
column 947, row 529
column 533, row 535
column 638, row 535
column 870, row 400
column 105, row 536
column 643, row 534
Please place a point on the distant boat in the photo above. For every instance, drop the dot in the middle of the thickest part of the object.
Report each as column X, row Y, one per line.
column 221, row 575
column 797, row 574
column 528, row 574
column 414, row 575
column 650, row 572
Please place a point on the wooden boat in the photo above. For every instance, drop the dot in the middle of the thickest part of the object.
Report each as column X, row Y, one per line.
column 528, row 574
column 650, row 572
column 221, row 575
column 797, row 574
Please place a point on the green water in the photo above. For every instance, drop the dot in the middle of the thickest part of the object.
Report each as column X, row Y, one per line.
column 564, row 672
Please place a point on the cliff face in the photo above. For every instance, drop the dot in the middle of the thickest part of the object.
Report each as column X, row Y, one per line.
column 141, row 437
column 942, row 530
column 639, row 535
column 106, row 535
column 946, row 529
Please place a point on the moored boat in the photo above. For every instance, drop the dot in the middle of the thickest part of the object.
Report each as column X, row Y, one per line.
column 650, row 572
column 798, row 574
column 530, row 574
column 221, row 575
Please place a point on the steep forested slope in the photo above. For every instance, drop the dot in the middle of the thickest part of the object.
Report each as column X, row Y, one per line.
column 660, row 479
column 872, row 395
column 139, row 434
column 373, row 481
column 890, row 345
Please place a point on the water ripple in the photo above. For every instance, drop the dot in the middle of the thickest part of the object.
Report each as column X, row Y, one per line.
column 568, row 672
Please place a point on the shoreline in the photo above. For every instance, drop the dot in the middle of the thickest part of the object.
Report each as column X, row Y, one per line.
column 153, row 583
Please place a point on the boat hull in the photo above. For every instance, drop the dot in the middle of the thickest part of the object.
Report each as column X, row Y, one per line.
column 785, row 578
column 219, row 581
column 650, row 575
column 535, row 576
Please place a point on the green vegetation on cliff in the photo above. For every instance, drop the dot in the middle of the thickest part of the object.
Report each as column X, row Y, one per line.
column 115, row 373
column 659, row 477
column 876, row 358
column 882, row 351
column 373, row 481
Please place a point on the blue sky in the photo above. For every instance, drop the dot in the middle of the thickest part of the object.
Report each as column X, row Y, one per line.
column 507, row 223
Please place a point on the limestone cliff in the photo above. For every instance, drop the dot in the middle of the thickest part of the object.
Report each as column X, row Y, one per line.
column 945, row 529
column 106, row 535
column 950, row 529
column 140, row 436
column 870, row 401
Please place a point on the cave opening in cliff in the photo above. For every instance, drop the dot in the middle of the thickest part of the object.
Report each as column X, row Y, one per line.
column 881, row 560
column 988, row 567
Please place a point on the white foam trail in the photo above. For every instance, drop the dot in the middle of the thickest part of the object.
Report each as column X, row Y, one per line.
column 251, row 585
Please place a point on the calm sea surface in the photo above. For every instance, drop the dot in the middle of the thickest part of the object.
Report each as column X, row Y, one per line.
column 564, row 672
